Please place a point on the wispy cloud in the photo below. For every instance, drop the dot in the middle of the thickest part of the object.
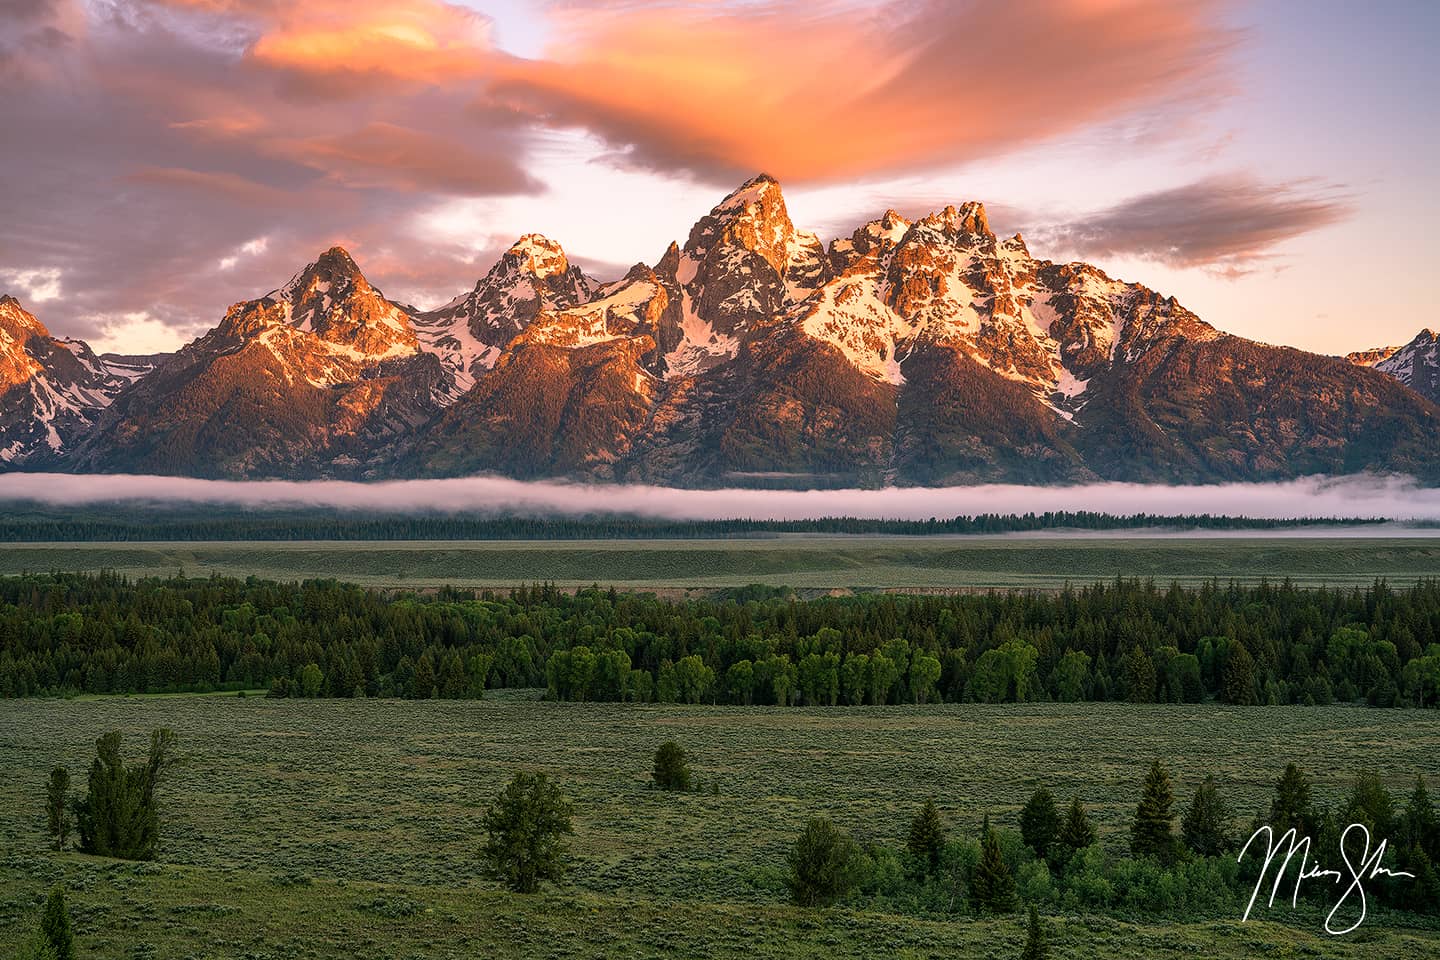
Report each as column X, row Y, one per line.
column 822, row 91
column 1226, row 224
column 1397, row 498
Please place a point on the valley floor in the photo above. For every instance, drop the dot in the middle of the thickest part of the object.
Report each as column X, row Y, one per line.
column 329, row 829
column 810, row 563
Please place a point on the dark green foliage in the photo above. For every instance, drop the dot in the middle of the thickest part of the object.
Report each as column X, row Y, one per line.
column 1206, row 824
column 120, row 816
column 993, row 885
column 823, row 865
column 927, row 837
column 104, row 634
column 1291, row 806
column 1239, row 676
column 1371, row 805
column 1040, row 822
column 1152, row 832
column 28, row 522
column 57, row 806
column 527, row 825
column 1421, row 829
column 55, row 926
column 1077, row 832
column 672, row 769
column 1139, row 677
column 1035, row 946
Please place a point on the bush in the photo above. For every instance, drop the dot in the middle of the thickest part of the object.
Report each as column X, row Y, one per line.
column 672, row 770
column 824, row 866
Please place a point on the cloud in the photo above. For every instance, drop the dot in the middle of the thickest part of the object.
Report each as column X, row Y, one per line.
column 387, row 155
column 138, row 333
column 167, row 132
column 152, row 136
column 1224, row 224
column 823, row 91
column 1396, row 498
column 38, row 285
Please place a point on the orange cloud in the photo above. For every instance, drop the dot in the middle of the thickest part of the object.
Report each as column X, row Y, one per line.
column 831, row 91
column 396, row 157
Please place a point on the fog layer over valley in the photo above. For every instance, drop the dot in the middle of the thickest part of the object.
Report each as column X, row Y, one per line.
column 1388, row 498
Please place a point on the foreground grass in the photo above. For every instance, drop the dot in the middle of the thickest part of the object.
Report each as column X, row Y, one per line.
column 349, row 828
column 806, row 562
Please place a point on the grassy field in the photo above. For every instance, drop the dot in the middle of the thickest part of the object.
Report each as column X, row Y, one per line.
column 804, row 562
column 329, row 829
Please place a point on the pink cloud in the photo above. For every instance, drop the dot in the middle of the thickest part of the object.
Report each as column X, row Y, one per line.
column 826, row 91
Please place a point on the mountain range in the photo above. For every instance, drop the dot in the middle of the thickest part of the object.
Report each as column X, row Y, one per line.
column 925, row 352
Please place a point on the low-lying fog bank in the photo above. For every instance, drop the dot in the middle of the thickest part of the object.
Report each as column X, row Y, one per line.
column 1388, row 498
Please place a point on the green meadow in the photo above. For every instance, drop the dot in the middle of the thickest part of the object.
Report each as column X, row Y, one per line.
column 340, row 828
column 806, row 562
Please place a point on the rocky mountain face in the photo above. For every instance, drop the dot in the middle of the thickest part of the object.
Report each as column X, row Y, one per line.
column 311, row 379
column 1417, row 364
column 914, row 353
column 51, row 390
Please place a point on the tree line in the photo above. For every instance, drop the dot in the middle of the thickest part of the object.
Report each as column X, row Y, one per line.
column 1270, row 643
column 30, row 522
column 1169, row 862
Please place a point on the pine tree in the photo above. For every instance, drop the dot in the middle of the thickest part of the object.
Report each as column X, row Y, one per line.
column 993, row 885
column 927, row 837
column 57, row 799
column 1076, row 833
column 672, row 770
column 55, row 926
column 822, row 865
column 1239, row 675
column 1139, row 676
column 1420, row 822
column 1291, row 806
column 526, row 826
column 1040, row 822
column 119, row 816
column 1151, row 834
column 1035, row 946
column 1206, row 825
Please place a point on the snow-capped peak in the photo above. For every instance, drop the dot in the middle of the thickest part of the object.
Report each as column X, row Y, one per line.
column 537, row 255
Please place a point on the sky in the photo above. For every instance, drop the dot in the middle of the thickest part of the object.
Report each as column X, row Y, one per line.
column 1272, row 164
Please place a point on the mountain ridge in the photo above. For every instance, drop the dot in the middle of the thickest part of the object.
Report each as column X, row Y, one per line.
column 920, row 352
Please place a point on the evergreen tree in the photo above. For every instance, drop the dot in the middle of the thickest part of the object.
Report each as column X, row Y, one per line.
column 119, row 816
column 526, row 825
column 822, row 865
column 927, row 837
column 1239, row 675
column 57, row 806
column 1420, row 822
column 1040, row 822
column 55, row 926
column 1371, row 805
column 1139, row 676
column 993, row 885
column 672, row 770
column 1291, row 806
column 1076, row 833
column 1035, row 946
column 1206, row 825
column 1151, row 834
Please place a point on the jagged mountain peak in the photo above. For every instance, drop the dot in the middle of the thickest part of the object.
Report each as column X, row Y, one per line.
column 1415, row 364
column 968, row 219
column 536, row 255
